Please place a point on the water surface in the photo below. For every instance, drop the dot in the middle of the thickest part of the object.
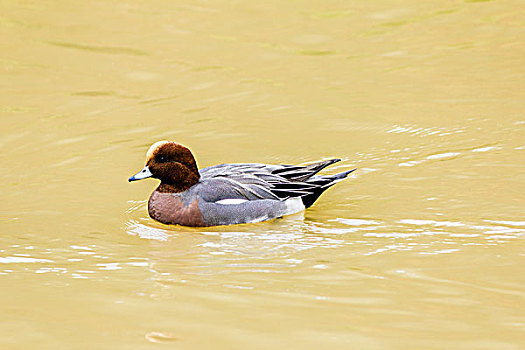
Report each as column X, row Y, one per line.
column 422, row 248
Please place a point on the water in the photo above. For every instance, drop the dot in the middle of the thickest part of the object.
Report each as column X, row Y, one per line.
column 421, row 248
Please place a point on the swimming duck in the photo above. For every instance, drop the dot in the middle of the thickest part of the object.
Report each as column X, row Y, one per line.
column 228, row 194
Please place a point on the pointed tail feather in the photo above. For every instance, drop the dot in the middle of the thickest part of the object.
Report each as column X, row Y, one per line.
column 304, row 172
column 331, row 180
column 341, row 176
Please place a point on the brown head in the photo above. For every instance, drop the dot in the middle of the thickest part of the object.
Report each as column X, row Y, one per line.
column 171, row 163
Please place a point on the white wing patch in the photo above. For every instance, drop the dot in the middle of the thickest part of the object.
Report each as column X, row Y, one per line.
column 230, row 201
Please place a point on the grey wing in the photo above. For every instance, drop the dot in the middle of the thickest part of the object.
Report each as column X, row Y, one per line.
column 219, row 188
column 264, row 181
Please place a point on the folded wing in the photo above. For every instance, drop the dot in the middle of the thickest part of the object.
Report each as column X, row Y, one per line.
column 263, row 181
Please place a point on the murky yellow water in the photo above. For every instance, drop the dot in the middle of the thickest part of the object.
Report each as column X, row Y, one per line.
column 423, row 248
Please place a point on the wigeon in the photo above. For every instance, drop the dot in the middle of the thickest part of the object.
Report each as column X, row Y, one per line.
column 228, row 194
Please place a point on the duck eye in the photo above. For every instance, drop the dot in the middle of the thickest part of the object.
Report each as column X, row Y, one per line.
column 161, row 159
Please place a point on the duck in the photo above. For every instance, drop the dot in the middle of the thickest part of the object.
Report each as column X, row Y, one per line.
column 228, row 194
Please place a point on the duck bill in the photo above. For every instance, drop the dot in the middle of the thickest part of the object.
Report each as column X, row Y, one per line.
column 143, row 174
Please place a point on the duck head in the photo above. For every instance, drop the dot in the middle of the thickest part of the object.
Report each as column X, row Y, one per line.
column 173, row 164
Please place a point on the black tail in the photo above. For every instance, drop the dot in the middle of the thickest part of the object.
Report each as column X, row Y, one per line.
column 322, row 184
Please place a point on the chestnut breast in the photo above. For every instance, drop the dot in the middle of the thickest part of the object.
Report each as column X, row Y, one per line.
column 169, row 208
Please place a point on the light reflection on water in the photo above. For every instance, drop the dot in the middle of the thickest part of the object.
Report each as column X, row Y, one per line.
column 281, row 239
column 285, row 238
column 285, row 242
